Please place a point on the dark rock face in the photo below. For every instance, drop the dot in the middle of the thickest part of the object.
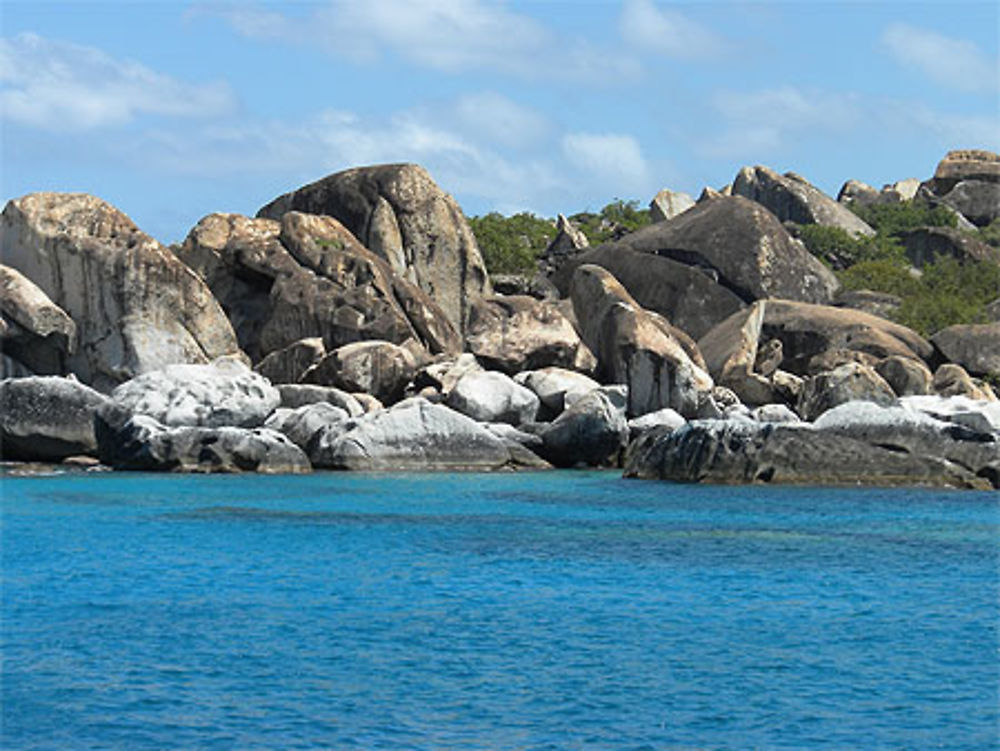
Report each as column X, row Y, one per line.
column 743, row 247
column 136, row 307
column 975, row 347
column 592, row 430
column 791, row 198
column 686, row 295
column 738, row 451
column 923, row 244
column 289, row 365
column 47, row 418
column 521, row 333
column 976, row 200
column 35, row 331
column 304, row 277
column 400, row 214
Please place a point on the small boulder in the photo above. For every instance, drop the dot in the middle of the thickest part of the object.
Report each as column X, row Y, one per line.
column 975, row 347
column 965, row 164
column 302, row 424
column 294, row 396
column 849, row 382
column 668, row 204
column 591, row 431
column 906, row 376
column 667, row 419
column 489, row 396
column 381, row 369
column 289, row 365
column 953, row 380
column 445, row 372
column 552, row 385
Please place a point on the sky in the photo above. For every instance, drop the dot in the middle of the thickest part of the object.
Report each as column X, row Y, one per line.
column 173, row 110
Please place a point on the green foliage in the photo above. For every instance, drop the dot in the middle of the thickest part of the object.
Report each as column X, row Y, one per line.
column 893, row 219
column 840, row 250
column 990, row 234
column 615, row 220
column 511, row 245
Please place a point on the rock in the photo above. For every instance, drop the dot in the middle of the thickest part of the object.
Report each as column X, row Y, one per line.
column 47, row 418
column 381, row 369
column 301, row 395
column 11, row 368
column 413, row 435
column 924, row 244
column 668, row 204
column 905, row 375
column 368, row 403
column 975, row 347
column 400, row 214
column 881, row 304
column 446, row 372
column 302, row 424
column 730, row 350
column 900, row 191
column 289, row 365
column 855, row 191
column 35, row 331
column 832, row 359
column 518, row 333
column 537, row 285
column 953, row 380
column 684, row 294
column 980, row 416
column 660, row 365
column 139, row 442
column 307, row 276
column 551, row 386
column 136, row 307
column 774, row 413
column 488, row 396
column 741, row 451
column 965, row 164
column 591, row 431
column 224, row 393
column 992, row 311
column 741, row 246
column 666, row 418
column 850, row 382
column 791, row 198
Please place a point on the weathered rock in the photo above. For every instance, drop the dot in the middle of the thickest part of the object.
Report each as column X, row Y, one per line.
column 924, row 244
column 953, row 380
column 975, row 347
column 730, row 350
column 900, row 191
column 849, row 382
column 413, row 435
column 139, row 442
column 906, row 376
column 400, row 214
column 668, row 204
column 534, row 285
column 965, row 164
column 686, row 295
column 774, row 413
column 47, row 418
column 791, row 198
column 660, row 365
column 855, row 191
column 11, row 368
column 289, row 365
column 551, row 386
column 881, row 304
column 307, row 276
column 741, row 451
column 666, row 418
column 302, row 424
column 136, row 307
column 301, row 395
column 520, row 333
column 35, row 331
column 980, row 416
column 443, row 374
column 591, row 431
column 381, row 369
column 488, row 396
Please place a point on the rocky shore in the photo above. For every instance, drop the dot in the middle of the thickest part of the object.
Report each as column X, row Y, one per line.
column 352, row 325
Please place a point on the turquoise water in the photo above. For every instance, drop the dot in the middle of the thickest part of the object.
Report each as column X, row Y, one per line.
column 506, row 611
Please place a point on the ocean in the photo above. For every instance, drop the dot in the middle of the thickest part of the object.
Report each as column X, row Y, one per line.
column 551, row 610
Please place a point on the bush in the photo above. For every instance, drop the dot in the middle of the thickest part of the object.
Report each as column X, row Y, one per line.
column 894, row 219
column 614, row 221
column 839, row 249
column 511, row 245
column 990, row 234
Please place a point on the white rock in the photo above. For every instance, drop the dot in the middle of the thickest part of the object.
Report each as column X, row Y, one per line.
column 489, row 396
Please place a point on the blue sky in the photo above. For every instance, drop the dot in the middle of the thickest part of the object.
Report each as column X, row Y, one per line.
column 173, row 110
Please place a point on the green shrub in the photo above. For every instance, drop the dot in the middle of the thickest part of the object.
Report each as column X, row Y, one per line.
column 893, row 219
column 990, row 234
column 615, row 220
column 511, row 245
column 839, row 249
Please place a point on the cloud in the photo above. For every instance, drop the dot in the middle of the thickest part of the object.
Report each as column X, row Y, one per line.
column 450, row 36
column 63, row 87
column 608, row 156
column 666, row 32
column 954, row 63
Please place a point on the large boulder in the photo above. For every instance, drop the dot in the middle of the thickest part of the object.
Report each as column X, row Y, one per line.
column 381, row 369
column 965, row 164
column 401, row 215
column 515, row 333
column 924, row 244
column 413, row 435
column 47, row 418
column 975, row 347
column 732, row 355
column 791, row 198
column 223, row 393
column 307, row 276
column 290, row 364
column 742, row 451
column 906, row 376
column 847, row 383
column 951, row 379
column 488, row 396
column 687, row 295
column 668, row 204
column 139, row 442
column 661, row 365
column 33, row 330
column 136, row 307
column 552, row 385
column 592, row 431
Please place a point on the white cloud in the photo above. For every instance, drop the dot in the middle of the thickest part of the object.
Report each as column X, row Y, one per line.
column 446, row 35
column 501, row 120
column 954, row 63
column 66, row 87
column 666, row 32
column 612, row 156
